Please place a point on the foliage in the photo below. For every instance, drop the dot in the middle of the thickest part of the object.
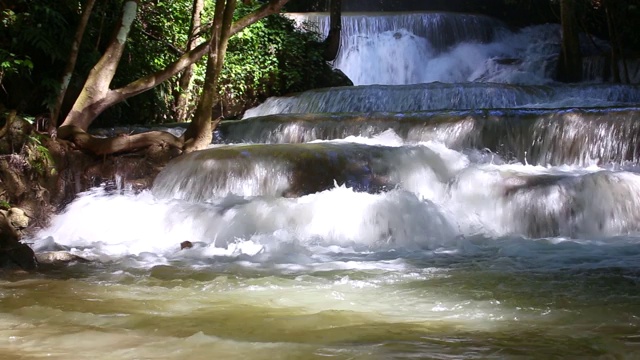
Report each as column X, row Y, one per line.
column 159, row 36
column 11, row 64
column 269, row 58
column 4, row 205
column 30, row 50
column 38, row 156
column 272, row 57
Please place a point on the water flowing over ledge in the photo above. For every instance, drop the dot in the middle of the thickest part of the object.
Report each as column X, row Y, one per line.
column 441, row 29
column 441, row 96
column 582, row 136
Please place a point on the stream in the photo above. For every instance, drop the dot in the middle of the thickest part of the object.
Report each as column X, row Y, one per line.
column 455, row 204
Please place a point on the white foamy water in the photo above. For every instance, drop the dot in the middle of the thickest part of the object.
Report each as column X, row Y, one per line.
column 438, row 199
column 412, row 48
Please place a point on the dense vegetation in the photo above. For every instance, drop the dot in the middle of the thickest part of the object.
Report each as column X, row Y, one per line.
column 266, row 59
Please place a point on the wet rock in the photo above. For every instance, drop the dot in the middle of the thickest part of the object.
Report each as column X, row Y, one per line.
column 186, row 245
column 20, row 255
column 58, row 258
column 508, row 61
column 337, row 78
column 12, row 252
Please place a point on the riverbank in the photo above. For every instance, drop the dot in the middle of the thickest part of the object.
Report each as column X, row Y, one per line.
column 40, row 175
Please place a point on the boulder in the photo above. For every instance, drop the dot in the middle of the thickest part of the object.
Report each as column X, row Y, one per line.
column 18, row 218
column 8, row 234
column 12, row 252
column 337, row 78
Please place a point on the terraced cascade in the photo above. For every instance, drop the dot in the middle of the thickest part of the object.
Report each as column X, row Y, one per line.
column 445, row 220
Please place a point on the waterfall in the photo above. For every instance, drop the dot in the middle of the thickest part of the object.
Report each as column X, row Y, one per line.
column 535, row 136
column 411, row 48
column 408, row 48
column 441, row 96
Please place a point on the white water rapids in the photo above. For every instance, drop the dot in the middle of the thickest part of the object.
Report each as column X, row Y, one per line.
column 437, row 199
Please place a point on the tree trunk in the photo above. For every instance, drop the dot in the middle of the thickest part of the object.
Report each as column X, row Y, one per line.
column 332, row 42
column 570, row 61
column 120, row 144
column 611, row 14
column 71, row 65
column 182, row 95
column 7, row 125
column 96, row 96
column 199, row 134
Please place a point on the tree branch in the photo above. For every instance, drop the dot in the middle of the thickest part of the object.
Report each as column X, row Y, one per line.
column 272, row 7
column 118, row 144
column 169, row 45
column 148, row 82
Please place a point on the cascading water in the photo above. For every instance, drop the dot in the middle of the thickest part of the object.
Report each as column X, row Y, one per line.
column 451, row 62
column 440, row 96
column 583, row 137
column 412, row 48
column 458, row 220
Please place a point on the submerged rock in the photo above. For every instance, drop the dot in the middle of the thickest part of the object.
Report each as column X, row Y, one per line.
column 58, row 257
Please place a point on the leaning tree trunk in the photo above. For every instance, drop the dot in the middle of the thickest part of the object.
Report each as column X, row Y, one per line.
column 570, row 61
column 71, row 65
column 332, row 42
column 96, row 96
column 182, row 96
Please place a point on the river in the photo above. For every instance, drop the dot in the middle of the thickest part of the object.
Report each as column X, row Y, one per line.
column 483, row 213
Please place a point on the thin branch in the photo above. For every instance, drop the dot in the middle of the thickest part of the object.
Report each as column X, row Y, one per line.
column 169, row 45
column 71, row 63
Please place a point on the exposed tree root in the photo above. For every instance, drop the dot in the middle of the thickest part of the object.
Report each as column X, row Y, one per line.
column 5, row 129
column 118, row 144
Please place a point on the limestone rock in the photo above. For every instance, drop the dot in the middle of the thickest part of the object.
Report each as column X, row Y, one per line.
column 18, row 218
